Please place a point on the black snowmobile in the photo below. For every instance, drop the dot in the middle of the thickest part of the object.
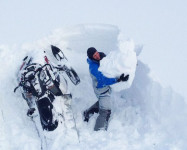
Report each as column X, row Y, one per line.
column 40, row 84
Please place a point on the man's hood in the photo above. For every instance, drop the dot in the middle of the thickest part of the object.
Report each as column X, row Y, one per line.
column 102, row 55
column 91, row 61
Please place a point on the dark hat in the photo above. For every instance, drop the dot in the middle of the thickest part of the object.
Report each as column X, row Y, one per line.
column 90, row 52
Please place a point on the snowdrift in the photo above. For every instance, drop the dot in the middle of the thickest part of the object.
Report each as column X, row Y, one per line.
column 145, row 115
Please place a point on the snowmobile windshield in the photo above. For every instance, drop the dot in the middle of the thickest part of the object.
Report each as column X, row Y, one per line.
column 59, row 55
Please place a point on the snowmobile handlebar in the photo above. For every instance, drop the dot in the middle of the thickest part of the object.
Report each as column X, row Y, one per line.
column 32, row 76
column 39, row 69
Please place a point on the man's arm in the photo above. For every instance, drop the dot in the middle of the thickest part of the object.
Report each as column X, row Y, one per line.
column 102, row 80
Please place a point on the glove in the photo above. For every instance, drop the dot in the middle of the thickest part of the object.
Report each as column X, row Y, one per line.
column 30, row 111
column 122, row 78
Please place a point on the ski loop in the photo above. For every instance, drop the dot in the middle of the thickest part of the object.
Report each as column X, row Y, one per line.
column 15, row 89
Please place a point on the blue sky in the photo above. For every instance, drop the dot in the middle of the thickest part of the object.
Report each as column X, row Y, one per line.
column 161, row 26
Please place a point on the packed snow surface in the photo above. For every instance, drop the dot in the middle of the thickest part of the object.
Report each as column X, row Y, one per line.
column 145, row 115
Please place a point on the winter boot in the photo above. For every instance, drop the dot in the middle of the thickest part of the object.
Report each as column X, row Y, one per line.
column 89, row 112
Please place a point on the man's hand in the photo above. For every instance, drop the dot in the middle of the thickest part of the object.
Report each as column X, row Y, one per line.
column 122, row 78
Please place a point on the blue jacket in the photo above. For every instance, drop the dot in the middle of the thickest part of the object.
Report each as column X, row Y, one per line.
column 101, row 79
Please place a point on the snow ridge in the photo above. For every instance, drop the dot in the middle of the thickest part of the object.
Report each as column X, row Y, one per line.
column 145, row 115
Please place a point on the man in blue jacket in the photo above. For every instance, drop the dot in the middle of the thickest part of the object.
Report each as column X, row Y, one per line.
column 102, row 89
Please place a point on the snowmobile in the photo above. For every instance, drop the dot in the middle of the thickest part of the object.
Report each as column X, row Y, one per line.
column 41, row 84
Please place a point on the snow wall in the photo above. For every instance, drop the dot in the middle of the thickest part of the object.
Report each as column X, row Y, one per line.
column 144, row 116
